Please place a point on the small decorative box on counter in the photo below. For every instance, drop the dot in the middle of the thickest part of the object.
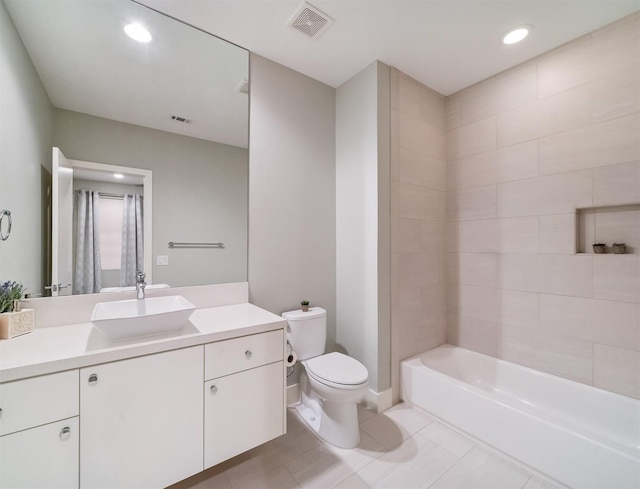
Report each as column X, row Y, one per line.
column 14, row 320
column 16, row 323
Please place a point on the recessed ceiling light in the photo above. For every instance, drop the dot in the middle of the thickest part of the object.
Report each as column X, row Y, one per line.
column 517, row 34
column 118, row 175
column 137, row 32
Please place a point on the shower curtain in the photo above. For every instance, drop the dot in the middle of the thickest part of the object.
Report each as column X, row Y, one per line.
column 132, row 257
column 88, row 269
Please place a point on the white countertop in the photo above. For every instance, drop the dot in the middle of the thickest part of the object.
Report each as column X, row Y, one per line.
column 58, row 348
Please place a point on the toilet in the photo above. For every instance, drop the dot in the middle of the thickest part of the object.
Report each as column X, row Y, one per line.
column 331, row 384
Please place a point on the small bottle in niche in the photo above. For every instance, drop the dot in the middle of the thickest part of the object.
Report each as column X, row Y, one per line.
column 619, row 248
column 599, row 247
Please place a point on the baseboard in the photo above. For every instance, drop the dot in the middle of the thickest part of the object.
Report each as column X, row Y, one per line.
column 375, row 401
column 379, row 401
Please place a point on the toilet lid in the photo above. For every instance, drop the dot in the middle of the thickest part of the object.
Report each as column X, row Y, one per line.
column 337, row 368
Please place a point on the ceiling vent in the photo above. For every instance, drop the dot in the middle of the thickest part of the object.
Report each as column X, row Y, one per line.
column 310, row 21
column 177, row 118
column 243, row 87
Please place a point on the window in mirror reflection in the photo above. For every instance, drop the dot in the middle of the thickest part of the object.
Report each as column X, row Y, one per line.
column 111, row 209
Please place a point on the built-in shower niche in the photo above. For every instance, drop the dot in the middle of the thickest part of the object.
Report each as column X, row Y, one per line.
column 609, row 225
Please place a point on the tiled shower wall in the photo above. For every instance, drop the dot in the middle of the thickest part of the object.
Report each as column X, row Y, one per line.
column 418, row 200
column 525, row 150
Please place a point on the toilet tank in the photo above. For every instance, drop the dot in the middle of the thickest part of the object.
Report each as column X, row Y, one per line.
column 307, row 331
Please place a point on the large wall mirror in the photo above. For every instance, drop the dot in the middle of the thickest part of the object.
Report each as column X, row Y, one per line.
column 174, row 108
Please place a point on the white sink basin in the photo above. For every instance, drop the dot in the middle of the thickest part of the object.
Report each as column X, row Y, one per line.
column 141, row 317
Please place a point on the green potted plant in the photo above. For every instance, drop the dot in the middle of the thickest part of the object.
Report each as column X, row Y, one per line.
column 13, row 321
column 599, row 247
column 305, row 306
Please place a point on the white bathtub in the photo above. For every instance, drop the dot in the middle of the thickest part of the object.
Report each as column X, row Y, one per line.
column 580, row 435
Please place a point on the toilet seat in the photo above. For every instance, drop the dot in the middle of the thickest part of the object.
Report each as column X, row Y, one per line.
column 337, row 370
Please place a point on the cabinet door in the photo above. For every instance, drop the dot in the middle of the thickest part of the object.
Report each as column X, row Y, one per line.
column 242, row 411
column 44, row 457
column 141, row 420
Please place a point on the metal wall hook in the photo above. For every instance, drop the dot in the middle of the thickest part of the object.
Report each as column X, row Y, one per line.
column 4, row 235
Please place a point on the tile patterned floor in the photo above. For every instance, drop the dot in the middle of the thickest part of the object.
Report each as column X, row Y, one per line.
column 402, row 448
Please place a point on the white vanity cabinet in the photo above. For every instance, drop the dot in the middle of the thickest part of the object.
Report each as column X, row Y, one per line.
column 139, row 415
column 244, row 394
column 141, row 420
column 39, row 432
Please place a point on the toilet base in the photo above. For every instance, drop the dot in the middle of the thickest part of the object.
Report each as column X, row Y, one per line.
column 309, row 417
column 334, row 422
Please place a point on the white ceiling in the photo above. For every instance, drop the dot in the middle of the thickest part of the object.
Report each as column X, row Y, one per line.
column 445, row 44
column 104, row 176
column 87, row 65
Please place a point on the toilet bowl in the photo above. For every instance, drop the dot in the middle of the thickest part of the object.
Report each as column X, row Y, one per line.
column 331, row 384
column 339, row 383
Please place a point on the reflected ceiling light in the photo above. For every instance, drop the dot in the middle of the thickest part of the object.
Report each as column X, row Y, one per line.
column 137, row 32
column 118, row 175
column 517, row 34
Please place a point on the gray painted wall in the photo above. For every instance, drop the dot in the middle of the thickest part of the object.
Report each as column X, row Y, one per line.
column 25, row 158
column 292, row 205
column 362, row 200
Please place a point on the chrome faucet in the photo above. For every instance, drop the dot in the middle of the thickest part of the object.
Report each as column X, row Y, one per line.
column 140, row 284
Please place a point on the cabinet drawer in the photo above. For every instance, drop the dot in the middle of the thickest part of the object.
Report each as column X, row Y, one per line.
column 38, row 400
column 229, row 356
column 45, row 457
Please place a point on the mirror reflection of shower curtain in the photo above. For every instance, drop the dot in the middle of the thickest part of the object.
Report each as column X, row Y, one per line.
column 88, row 269
column 132, row 240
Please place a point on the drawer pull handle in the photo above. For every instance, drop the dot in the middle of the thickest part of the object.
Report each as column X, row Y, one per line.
column 0, row 412
column 93, row 379
column 65, row 433
column 248, row 354
column 214, row 389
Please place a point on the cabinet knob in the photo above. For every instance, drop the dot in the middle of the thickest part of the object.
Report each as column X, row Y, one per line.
column 248, row 354
column 214, row 389
column 65, row 433
column 93, row 379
